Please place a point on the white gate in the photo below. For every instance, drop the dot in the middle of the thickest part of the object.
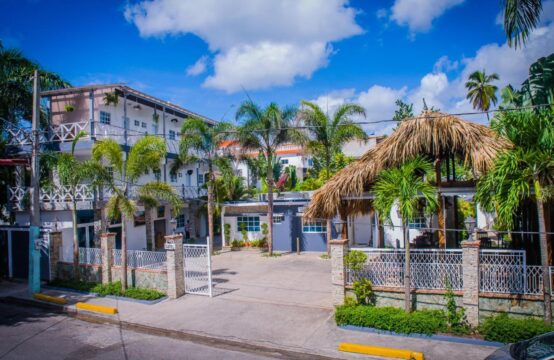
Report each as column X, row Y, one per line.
column 198, row 269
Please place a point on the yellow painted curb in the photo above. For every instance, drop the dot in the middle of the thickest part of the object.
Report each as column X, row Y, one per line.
column 50, row 299
column 381, row 351
column 96, row 308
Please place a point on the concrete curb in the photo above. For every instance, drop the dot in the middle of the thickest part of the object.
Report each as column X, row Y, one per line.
column 221, row 343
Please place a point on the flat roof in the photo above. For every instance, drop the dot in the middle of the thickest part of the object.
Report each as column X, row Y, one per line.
column 127, row 90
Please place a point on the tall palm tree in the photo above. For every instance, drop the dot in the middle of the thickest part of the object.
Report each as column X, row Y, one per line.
column 72, row 173
column 265, row 129
column 520, row 18
column 405, row 187
column 201, row 142
column 145, row 155
column 526, row 171
column 327, row 134
column 480, row 91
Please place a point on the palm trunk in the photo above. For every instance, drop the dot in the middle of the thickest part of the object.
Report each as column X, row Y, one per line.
column 123, row 252
column 440, row 209
column 210, row 208
column 407, row 270
column 544, row 262
column 150, row 245
column 270, row 208
column 76, row 274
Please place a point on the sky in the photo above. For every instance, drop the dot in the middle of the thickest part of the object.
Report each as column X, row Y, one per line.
column 211, row 55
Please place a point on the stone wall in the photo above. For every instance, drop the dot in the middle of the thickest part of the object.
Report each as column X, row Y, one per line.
column 144, row 278
column 489, row 304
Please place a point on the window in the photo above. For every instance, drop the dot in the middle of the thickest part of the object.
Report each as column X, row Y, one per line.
column 154, row 128
column 161, row 211
column 200, row 179
column 417, row 223
column 105, row 118
column 173, row 177
column 143, row 125
column 158, row 175
column 171, row 135
column 181, row 221
column 180, row 174
column 251, row 223
column 284, row 161
column 109, row 169
column 137, row 123
column 310, row 162
column 278, row 218
column 314, row 226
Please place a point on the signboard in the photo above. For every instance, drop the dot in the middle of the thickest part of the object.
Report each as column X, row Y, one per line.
column 169, row 245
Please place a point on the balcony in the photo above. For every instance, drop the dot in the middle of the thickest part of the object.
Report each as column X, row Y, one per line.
column 60, row 197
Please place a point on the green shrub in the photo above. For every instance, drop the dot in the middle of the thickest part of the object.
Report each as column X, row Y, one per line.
column 227, row 231
column 503, row 328
column 456, row 318
column 244, row 232
column 73, row 284
column 143, row 294
column 426, row 322
column 355, row 260
column 364, row 292
column 113, row 288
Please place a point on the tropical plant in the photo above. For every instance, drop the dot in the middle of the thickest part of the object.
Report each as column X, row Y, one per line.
column 16, row 85
column 72, row 173
column 524, row 172
column 355, row 260
column 364, row 291
column 327, row 134
column 69, row 108
column 404, row 111
column 200, row 142
column 405, row 187
column 145, row 155
column 520, row 18
column 111, row 98
column 480, row 91
column 265, row 129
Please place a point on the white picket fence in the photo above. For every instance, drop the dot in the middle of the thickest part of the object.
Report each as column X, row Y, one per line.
column 500, row 271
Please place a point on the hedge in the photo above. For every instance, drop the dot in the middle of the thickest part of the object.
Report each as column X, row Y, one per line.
column 426, row 322
column 503, row 328
column 113, row 288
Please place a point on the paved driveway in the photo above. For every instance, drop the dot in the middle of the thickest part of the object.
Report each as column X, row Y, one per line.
column 300, row 280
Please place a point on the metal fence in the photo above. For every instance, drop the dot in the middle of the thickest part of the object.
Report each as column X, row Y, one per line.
column 140, row 259
column 500, row 271
column 430, row 268
column 197, row 269
column 90, row 256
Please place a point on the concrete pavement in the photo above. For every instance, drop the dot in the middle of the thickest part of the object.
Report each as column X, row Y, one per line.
column 262, row 302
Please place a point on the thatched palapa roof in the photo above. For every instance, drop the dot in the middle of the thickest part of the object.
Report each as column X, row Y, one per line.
column 432, row 134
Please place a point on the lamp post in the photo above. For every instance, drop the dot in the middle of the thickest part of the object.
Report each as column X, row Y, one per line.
column 470, row 224
column 173, row 223
column 339, row 226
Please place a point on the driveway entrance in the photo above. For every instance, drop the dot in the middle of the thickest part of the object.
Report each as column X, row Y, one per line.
column 296, row 280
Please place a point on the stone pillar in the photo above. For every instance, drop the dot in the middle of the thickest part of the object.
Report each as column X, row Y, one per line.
column 175, row 266
column 107, row 244
column 54, row 248
column 470, row 265
column 339, row 248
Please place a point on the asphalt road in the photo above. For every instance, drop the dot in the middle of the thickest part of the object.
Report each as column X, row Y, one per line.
column 29, row 333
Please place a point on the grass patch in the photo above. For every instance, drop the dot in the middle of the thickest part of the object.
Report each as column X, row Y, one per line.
column 275, row 254
column 113, row 288
column 503, row 328
column 324, row 257
column 426, row 322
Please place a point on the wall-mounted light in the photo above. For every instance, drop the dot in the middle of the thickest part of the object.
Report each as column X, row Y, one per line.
column 174, row 120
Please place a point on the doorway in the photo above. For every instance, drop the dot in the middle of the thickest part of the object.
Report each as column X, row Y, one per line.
column 159, row 233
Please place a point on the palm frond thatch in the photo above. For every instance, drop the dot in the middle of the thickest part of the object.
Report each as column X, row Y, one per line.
column 431, row 135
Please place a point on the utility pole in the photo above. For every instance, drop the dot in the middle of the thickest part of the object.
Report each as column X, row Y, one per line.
column 34, row 229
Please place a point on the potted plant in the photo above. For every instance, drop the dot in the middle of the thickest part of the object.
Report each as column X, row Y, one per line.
column 111, row 98
column 69, row 108
column 155, row 117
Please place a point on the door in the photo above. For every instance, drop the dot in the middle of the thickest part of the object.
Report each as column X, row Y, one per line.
column 159, row 233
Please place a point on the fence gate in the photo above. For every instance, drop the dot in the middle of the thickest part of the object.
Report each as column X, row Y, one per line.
column 198, row 269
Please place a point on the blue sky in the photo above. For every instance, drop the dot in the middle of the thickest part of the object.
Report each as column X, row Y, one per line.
column 285, row 51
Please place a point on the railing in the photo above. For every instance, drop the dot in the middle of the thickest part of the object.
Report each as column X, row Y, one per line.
column 140, row 259
column 90, row 256
column 430, row 268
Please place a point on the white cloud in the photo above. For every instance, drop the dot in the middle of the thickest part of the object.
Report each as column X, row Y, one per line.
column 444, row 64
column 282, row 39
column 382, row 13
column 198, row 67
column 418, row 15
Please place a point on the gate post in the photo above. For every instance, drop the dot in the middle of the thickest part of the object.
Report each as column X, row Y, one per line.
column 175, row 266
column 339, row 248
column 107, row 244
column 470, row 265
column 54, row 248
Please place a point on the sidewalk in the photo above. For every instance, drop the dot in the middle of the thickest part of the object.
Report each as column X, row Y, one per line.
column 302, row 329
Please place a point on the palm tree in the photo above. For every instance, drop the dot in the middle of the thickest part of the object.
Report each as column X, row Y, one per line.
column 328, row 134
column 526, row 171
column 72, row 173
column 145, row 155
column 520, row 18
column 202, row 142
column 265, row 130
column 480, row 91
column 405, row 187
